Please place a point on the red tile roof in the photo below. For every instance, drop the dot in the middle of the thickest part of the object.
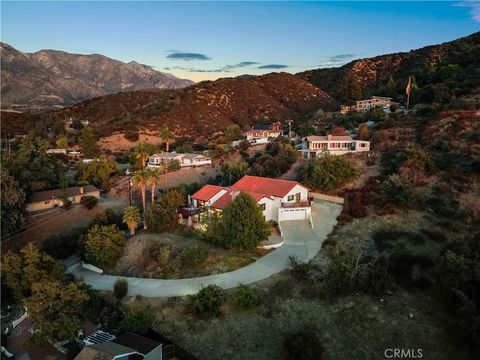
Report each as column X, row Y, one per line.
column 266, row 186
column 206, row 192
column 329, row 138
column 222, row 202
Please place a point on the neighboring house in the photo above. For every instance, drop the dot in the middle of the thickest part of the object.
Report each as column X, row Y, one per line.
column 128, row 346
column 262, row 134
column 280, row 200
column 313, row 146
column 57, row 151
column 53, row 198
column 365, row 105
column 185, row 160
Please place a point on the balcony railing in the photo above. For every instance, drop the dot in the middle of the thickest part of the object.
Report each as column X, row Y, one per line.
column 298, row 204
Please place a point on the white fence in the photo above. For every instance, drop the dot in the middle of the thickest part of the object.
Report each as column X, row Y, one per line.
column 17, row 322
column 329, row 198
column 92, row 267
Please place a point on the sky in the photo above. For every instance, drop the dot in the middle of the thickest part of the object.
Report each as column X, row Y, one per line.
column 208, row 40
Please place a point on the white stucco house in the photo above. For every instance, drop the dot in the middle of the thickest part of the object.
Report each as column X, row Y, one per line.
column 263, row 134
column 185, row 160
column 314, row 146
column 280, row 200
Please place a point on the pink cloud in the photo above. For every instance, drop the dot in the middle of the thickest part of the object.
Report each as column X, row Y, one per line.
column 474, row 6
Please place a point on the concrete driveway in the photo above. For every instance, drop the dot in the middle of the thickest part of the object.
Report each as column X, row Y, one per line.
column 300, row 240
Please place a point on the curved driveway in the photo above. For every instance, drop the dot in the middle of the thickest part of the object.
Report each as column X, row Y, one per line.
column 300, row 240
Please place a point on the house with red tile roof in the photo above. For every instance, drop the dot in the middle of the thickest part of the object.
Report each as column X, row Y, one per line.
column 315, row 146
column 280, row 200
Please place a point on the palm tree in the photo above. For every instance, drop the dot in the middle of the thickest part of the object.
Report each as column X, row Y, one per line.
column 167, row 138
column 140, row 178
column 153, row 175
column 132, row 217
column 142, row 152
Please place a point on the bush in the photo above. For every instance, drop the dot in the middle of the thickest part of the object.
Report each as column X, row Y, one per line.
column 63, row 245
column 103, row 245
column 245, row 297
column 120, row 288
column 327, row 172
column 193, row 255
column 304, row 345
column 300, row 270
column 88, row 201
column 131, row 136
column 208, row 300
column 139, row 318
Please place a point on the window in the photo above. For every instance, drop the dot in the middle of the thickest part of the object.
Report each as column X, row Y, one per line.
column 262, row 206
column 47, row 202
column 290, row 197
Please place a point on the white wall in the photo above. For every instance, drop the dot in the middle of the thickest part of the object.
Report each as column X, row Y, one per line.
column 302, row 213
column 297, row 189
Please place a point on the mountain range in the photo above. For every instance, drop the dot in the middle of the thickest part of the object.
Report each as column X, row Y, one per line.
column 57, row 78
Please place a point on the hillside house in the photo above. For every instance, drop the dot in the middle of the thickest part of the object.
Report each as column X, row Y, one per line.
column 365, row 105
column 263, row 134
column 54, row 198
column 314, row 146
column 184, row 160
column 280, row 200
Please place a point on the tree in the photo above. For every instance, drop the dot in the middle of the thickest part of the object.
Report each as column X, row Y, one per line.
column 363, row 132
column 62, row 142
column 132, row 218
column 56, row 309
column 120, row 288
column 13, row 200
column 392, row 88
column 20, row 272
column 98, row 172
column 164, row 213
column 88, row 143
column 142, row 152
column 232, row 132
column 172, row 200
column 245, row 297
column 242, row 224
column 139, row 318
column 232, row 171
column 327, row 172
column 153, row 175
column 351, row 89
column 103, row 245
column 167, row 138
column 140, row 178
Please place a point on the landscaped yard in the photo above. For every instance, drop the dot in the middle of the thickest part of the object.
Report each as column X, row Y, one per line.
column 178, row 254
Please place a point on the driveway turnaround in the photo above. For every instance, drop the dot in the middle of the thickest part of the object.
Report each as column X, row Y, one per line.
column 300, row 240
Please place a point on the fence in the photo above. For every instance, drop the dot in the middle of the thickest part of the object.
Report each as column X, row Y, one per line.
column 329, row 198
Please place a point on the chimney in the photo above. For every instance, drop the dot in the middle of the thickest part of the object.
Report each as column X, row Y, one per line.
column 81, row 189
column 329, row 137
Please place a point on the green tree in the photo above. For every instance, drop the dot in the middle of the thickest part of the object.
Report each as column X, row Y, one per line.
column 242, row 224
column 208, row 300
column 245, row 297
column 13, row 201
column 132, row 218
column 56, row 309
column 103, row 245
column 327, row 172
column 20, row 272
column 232, row 171
column 141, row 178
column 392, row 88
column 62, row 142
column 167, row 137
column 142, row 152
column 139, row 318
column 232, row 132
column 351, row 89
column 120, row 288
column 98, row 172
column 88, row 143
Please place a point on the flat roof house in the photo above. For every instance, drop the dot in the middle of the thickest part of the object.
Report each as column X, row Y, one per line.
column 185, row 160
column 280, row 200
column 365, row 105
column 54, row 198
column 314, row 146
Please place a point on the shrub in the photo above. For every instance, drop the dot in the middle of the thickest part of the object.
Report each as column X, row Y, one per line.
column 131, row 136
column 63, row 245
column 327, row 172
column 299, row 269
column 139, row 318
column 245, row 297
column 193, row 255
column 88, row 201
column 103, row 245
column 208, row 300
column 304, row 345
column 120, row 288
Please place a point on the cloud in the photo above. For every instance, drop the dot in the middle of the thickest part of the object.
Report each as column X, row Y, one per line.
column 186, row 56
column 273, row 66
column 226, row 68
column 342, row 57
column 336, row 60
column 242, row 64
column 474, row 8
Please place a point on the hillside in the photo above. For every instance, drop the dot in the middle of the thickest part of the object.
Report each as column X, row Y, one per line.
column 200, row 110
column 373, row 74
column 57, row 78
